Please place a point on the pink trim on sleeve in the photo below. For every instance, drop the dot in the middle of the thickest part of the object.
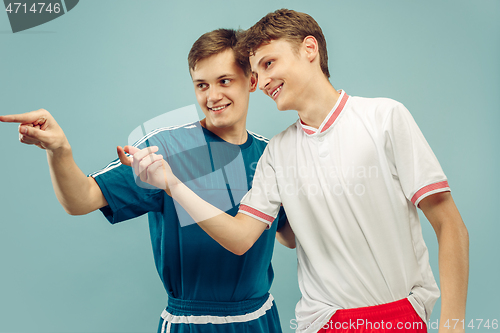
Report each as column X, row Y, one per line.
column 256, row 213
column 427, row 189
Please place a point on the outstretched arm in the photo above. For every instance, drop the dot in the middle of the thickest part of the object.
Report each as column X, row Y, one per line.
column 76, row 192
column 236, row 234
column 453, row 239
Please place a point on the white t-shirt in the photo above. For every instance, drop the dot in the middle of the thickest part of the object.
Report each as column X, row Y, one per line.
column 351, row 190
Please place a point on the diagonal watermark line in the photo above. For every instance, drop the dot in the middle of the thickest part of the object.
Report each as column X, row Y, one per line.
column 64, row 6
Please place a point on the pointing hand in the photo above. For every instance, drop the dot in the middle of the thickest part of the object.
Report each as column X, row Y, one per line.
column 38, row 128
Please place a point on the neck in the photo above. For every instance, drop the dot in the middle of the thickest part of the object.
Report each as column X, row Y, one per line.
column 236, row 135
column 318, row 101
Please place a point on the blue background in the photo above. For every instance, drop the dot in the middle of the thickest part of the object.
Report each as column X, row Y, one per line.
column 108, row 66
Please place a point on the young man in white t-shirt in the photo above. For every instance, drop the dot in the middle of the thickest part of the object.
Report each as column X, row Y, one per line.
column 350, row 174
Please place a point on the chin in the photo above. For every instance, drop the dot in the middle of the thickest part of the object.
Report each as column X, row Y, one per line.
column 282, row 107
column 220, row 124
column 282, row 104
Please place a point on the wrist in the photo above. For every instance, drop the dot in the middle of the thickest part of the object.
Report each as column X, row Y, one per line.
column 62, row 151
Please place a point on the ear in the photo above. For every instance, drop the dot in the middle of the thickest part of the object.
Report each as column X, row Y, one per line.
column 310, row 45
column 253, row 81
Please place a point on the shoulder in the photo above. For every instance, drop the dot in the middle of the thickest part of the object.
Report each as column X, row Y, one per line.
column 285, row 137
column 165, row 135
column 378, row 110
column 380, row 104
column 258, row 137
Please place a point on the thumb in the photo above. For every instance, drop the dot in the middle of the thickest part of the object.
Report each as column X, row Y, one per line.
column 33, row 132
column 123, row 157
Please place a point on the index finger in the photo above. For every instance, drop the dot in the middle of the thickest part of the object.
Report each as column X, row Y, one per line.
column 25, row 118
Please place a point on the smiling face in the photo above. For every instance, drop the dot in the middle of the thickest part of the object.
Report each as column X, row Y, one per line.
column 222, row 91
column 282, row 72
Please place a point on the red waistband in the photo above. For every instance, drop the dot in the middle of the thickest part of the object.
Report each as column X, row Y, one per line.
column 388, row 311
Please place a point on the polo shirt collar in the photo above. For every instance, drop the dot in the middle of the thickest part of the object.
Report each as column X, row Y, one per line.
column 330, row 118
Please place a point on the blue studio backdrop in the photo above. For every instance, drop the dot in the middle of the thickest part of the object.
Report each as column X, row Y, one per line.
column 102, row 68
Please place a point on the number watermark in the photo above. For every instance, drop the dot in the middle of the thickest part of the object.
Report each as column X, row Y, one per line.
column 41, row 6
column 24, row 15
column 357, row 324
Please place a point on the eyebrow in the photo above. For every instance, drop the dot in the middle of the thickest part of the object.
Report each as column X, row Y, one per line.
column 220, row 77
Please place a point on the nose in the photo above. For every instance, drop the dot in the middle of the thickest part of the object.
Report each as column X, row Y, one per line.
column 264, row 82
column 213, row 95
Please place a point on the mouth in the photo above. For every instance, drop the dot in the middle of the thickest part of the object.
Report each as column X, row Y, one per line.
column 274, row 94
column 218, row 109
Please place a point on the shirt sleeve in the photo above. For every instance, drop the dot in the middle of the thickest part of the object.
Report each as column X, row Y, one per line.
column 125, row 199
column 411, row 157
column 263, row 201
column 126, row 194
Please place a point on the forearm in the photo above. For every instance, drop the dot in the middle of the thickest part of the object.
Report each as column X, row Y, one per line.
column 72, row 187
column 232, row 233
column 236, row 234
column 453, row 275
column 453, row 239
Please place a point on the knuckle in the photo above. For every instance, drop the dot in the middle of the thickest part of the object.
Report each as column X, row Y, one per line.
column 25, row 140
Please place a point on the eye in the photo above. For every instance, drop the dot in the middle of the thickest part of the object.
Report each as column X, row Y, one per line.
column 225, row 81
column 201, row 86
column 268, row 63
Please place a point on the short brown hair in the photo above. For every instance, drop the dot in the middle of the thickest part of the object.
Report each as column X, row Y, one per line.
column 215, row 42
column 287, row 24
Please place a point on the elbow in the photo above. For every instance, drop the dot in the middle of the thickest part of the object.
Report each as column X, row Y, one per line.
column 242, row 248
column 458, row 232
column 73, row 211
column 70, row 211
column 289, row 244
column 239, row 253
column 461, row 232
